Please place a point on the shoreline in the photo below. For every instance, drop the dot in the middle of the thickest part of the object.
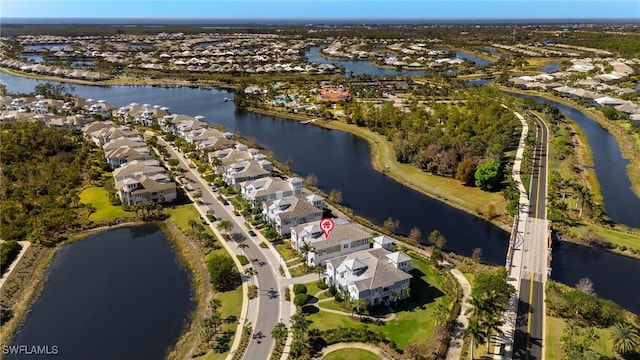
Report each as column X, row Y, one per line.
column 380, row 153
column 32, row 289
column 625, row 144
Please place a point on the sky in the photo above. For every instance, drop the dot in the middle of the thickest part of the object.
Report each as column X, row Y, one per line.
column 327, row 9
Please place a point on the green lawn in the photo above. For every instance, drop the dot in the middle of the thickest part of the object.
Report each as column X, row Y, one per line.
column 413, row 323
column 182, row 214
column 97, row 196
column 619, row 238
column 554, row 327
column 285, row 250
column 351, row 354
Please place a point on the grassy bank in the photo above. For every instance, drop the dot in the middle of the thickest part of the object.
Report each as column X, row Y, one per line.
column 629, row 144
column 105, row 211
column 448, row 190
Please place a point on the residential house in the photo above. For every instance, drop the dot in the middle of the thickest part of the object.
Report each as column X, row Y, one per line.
column 135, row 169
column 384, row 242
column 345, row 238
column 374, row 275
column 290, row 211
column 122, row 155
column 157, row 188
column 270, row 188
column 242, row 171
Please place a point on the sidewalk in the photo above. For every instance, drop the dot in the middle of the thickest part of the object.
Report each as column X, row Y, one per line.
column 514, row 255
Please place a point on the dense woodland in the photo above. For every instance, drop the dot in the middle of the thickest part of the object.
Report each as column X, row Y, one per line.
column 444, row 138
column 41, row 172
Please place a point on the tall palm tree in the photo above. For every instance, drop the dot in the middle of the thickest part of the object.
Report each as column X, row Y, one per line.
column 319, row 270
column 193, row 224
column 492, row 324
column 251, row 272
column 625, row 338
column 242, row 246
column 405, row 292
column 279, row 332
column 476, row 331
column 299, row 324
column 225, row 225
column 396, row 296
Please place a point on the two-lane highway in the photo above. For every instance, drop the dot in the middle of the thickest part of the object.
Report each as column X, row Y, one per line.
column 530, row 320
column 266, row 309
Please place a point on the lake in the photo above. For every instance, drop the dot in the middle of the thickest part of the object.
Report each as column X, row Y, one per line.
column 118, row 294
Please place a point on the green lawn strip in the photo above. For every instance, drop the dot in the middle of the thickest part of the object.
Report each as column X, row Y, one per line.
column 351, row 354
column 231, row 305
column 285, row 250
column 182, row 214
column 97, row 196
column 554, row 329
column 413, row 323
column 446, row 189
column 617, row 237
column 297, row 271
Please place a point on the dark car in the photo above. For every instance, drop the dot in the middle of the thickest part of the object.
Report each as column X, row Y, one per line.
column 252, row 233
column 225, row 202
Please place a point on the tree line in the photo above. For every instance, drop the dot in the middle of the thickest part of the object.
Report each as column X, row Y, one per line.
column 42, row 172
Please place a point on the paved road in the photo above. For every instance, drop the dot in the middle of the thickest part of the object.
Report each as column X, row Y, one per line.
column 266, row 309
column 530, row 319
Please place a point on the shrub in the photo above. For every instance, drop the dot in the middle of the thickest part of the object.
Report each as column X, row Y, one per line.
column 299, row 289
column 321, row 285
column 333, row 290
column 300, row 299
column 287, row 294
column 253, row 292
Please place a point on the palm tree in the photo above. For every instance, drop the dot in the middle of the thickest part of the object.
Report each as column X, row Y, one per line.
column 492, row 324
column 279, row 332
column 476, row 332
column 242, row 246
column 192, row 223
column 625, row 338
column 405, row 292
column 215, row 304
column 360, row 306
column 225, row 225
column 251, row 272
column 299, row 324
column 319, row 270
column 396, row 296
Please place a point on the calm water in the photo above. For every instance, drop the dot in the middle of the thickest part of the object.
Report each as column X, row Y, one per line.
column 477, row 60
column 119, row 294
column 340, row 160
column 620, row 203
column 479, row 82
column 551, row 67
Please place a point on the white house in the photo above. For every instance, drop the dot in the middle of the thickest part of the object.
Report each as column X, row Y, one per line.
column 374, row 275
column 270, row 188
column 345, row 238
column 290, row 211
column 246, row 170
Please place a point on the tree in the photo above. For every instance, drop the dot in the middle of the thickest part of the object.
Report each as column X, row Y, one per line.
column 300, row 299
column 222, row 271
column 311, row 179
column 396, row 297
column 586, row 286
column 279, row 332
column 466, row 172
column 489, row 175
column 625, row 338
column 477, row 334
column 299, row 324
column 250, row 272
column 415, row 234
column 173, row 162
column 225, row 225
column 406, row 292
column 476, row 255
column 391, row 225
column 492, row 324
column 319, row 270
column 335, row 196
column 577, row 340
column 437, row 239
column 360, row 306
column 242, row 246
column 192, row 223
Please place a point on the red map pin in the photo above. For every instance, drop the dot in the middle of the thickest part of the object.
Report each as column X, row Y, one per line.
column 326, row 225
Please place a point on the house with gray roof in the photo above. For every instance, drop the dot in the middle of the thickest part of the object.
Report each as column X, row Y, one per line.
column 374, row 275
column 270, row 188
column 290, row 211
column 157, row 188
column 122, row 155
column 245, row 170
column 134, row 169
column 345, row 238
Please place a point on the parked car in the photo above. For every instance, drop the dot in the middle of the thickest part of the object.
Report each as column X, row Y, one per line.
column 252, row 233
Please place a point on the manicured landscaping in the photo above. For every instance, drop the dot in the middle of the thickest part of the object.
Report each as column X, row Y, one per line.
column 351, row 354
column 414, row 322
column 285, row 250
column 105, row 211
column 182, row 214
